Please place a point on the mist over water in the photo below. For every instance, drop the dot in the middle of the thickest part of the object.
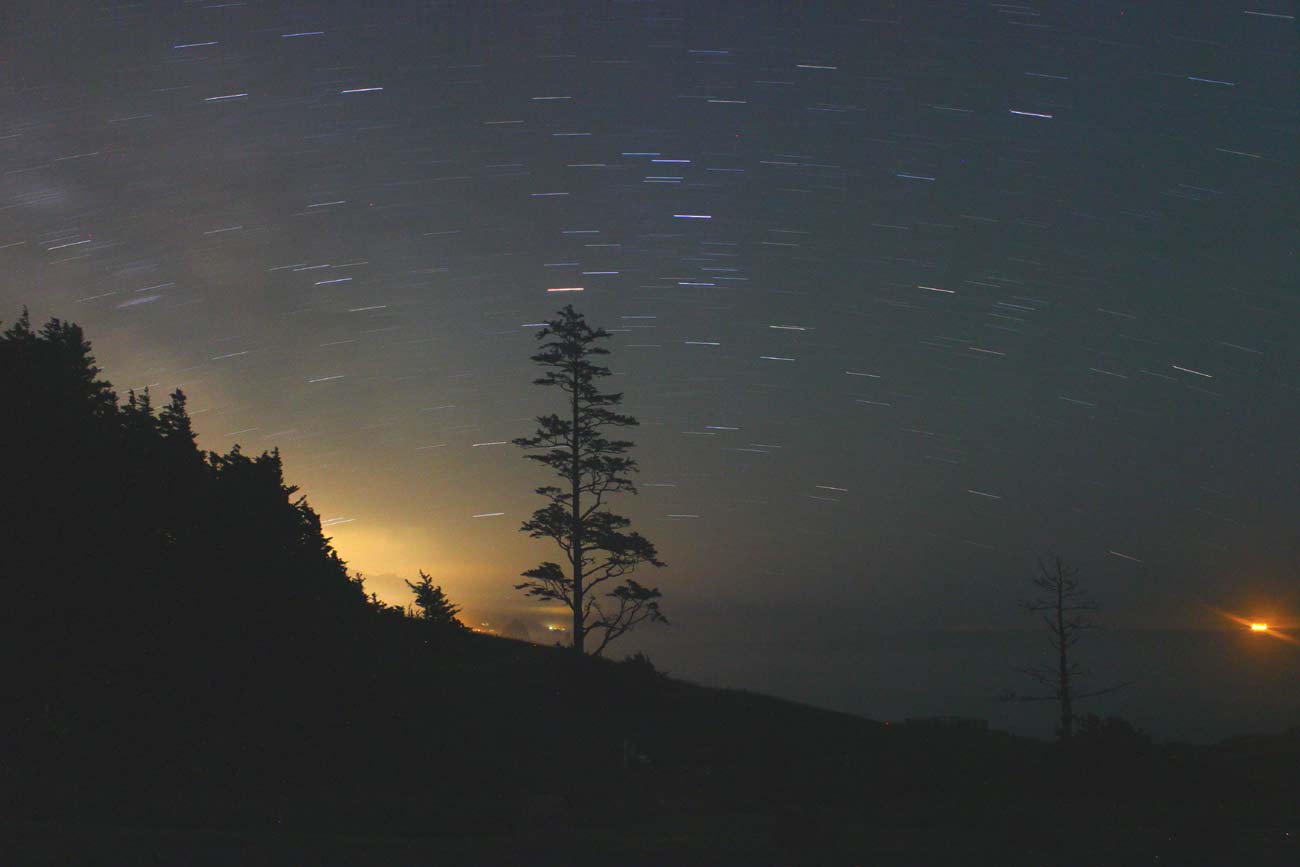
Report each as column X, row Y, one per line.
column 1194, row 685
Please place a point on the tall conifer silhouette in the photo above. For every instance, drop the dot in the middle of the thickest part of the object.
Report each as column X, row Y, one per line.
column 599, row 551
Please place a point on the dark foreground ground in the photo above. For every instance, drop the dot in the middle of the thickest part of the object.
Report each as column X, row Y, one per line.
column 507, row 753
column 702, row 840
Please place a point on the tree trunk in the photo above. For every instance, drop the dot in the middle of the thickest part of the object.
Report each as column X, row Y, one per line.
column 1067, row 711
column 579, row 626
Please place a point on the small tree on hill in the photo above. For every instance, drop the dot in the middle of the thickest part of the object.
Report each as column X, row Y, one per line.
column 1067, row 612
column 433, row 605
column 597, row 547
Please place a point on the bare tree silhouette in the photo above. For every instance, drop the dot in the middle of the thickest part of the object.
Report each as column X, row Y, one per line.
column 1066, row 610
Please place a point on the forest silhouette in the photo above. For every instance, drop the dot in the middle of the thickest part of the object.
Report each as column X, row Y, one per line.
column 187, row 651
column 185, row 640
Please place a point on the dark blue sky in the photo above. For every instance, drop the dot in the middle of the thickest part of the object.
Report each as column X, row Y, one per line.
column 976, row 280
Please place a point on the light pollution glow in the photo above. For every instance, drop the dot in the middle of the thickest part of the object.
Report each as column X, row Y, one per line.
column 1260, row 626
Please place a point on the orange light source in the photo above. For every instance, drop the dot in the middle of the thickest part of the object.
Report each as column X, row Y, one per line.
column 1259, row 627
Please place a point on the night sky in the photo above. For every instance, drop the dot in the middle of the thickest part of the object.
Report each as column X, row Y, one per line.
column 900, row 293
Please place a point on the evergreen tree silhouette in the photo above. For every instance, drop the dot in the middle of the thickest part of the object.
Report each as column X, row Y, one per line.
column 434, row 607
column 595, row 541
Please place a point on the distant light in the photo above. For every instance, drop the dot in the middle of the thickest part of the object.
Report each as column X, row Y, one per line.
column 566, row 289
column 1259, row 627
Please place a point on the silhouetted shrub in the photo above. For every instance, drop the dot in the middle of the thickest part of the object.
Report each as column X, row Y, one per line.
column 1111, row 735
column 433, row 607
column 640, row 665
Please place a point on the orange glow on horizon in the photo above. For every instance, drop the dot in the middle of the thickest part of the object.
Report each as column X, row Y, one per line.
column 1260, row 626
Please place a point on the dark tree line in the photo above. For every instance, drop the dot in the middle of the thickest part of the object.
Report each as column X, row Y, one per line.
column 113, row 513
column 111, row 502
column 164, row 606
